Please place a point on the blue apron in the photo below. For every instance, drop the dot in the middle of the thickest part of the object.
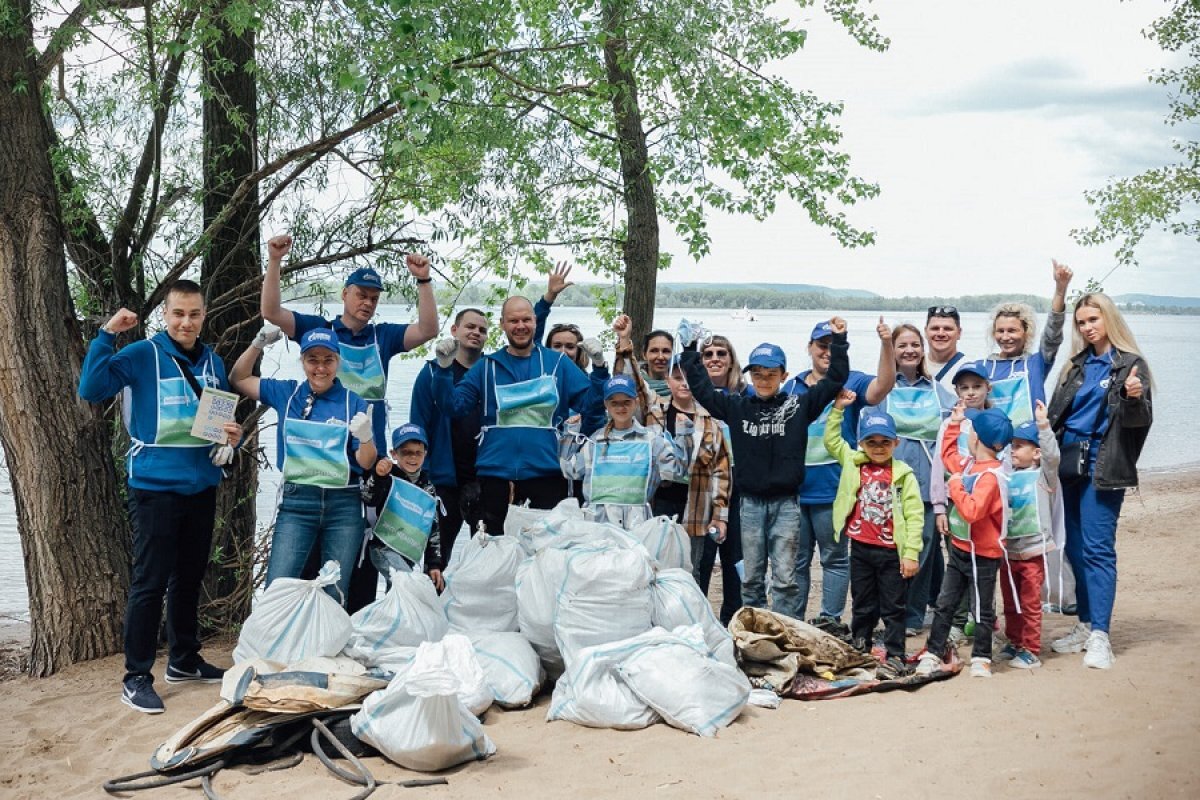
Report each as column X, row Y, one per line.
column 917, row 412
column 526, row 404
column 620, row 473
column 1023, row 499
column 406, row 520
column 177, row 405
column 1012, row 395
column 316, row 453
column 361, row 369
column 815, row 453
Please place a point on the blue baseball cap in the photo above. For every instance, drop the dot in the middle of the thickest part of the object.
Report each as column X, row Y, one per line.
column 821, row 330
column 992, row 426
column 408, row 432
column 876, row 423
column 620, row 384
column 1027, row 431
column 319, row 337
column 365, row 277
column 972, row 368
column 766, row 355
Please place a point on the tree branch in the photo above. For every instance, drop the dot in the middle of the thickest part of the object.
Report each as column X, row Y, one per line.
column 73, row 24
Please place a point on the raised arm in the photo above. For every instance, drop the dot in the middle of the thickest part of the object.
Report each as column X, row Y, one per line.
column 1052, row 334
column 242, row 377
column 270, row 305
column 106, row 372
column 715, row 403
column 885, row 373
column 555, row 286
column 826, row 389
column 835, row 444
column 426, row 326
column 951, row 458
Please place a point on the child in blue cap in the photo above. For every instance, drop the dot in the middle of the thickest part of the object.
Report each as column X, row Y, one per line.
column 879, row 506
column 622, row 464
column 1035, row 527
column 401, row 504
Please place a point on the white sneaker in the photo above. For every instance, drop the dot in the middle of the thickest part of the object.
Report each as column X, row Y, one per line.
column 927, row 664
column 981, row 667
column 1075, row 641
column 1099, row 651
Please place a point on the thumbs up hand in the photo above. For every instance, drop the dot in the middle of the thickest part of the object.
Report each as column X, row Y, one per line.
column 1133, row 384
column 885, row 332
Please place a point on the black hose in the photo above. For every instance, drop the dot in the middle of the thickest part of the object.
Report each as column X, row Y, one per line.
column 127, row 783
column 364, row 776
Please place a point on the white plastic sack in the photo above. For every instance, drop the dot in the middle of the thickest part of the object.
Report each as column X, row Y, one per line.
column 677, row 600
column 295, row 619
column 511, row 666
column 538, row 582
column 409, row 614
column 481, row 592
column 419, row 722
column 536, row 529
column 591, row 693
column 605, row 597
column 666, row 541
column 679, row 679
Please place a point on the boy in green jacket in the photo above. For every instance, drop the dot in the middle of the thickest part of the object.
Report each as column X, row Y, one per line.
column 878, row 505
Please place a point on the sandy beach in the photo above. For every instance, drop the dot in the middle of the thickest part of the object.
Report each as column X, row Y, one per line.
column 1061, row 731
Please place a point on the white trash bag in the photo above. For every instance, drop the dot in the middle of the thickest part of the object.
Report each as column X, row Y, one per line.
column 605, row 597
column 666, row 541
column 419, row 722
column 295, row 619
column 592, row 694
column 481, row 578
column 679, row 679
column 409, row 614
column 511, row 666
column 538, row 582
column 535, row 528
column 677, row 600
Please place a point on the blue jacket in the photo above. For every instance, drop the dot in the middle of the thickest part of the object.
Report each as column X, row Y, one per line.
column 166, row 459
column 520, row 453
column 423, row 411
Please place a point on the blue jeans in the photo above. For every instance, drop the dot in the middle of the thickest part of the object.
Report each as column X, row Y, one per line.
column 918, row 587
column 816, row 530
column 770, row 530
column 329, row 521
column 1091, row 519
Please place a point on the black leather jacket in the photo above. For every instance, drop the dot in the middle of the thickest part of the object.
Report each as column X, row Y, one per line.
column 1129, row 418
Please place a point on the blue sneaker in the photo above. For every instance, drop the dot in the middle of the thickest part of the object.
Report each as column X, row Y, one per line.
column 203, row 672
column 138, row 693
column 1008, row 653
column 1024, row 659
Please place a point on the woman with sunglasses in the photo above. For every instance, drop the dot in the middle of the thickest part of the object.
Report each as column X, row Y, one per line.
column 721, row 361
column 1017, row 376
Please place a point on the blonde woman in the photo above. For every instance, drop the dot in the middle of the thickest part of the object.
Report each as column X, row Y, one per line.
column 1017, row 375
column 1101, row 413
column 721, row 361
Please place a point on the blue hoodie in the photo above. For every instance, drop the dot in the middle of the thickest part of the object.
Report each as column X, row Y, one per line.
column 520, row 453
column 167, row 460
column 422, row 410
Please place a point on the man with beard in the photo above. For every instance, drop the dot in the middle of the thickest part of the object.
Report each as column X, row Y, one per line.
column 520, row 394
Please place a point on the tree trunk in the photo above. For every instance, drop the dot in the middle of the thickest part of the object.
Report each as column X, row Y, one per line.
column 74, row 533
column 640, row 249
column 230, row 124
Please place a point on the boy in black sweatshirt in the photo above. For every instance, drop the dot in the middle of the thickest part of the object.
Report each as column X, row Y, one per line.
column 769, row 432
column 410, row 516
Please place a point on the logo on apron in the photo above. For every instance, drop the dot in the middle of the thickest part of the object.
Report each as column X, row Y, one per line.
column 314, row 453
column 917, row 412
column 620, row 473
column 526, row 404
column 406, row 520
column 1023, row 517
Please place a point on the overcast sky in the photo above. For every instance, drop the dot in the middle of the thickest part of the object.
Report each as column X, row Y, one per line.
column 984, row 123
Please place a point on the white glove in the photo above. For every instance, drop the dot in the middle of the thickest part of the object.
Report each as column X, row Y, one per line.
column 445, row 351
column 360, row 425
column 595, row 353
column 222, row 454
column 268, row 335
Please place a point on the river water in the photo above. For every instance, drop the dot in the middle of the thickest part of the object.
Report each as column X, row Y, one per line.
column 1165, row 340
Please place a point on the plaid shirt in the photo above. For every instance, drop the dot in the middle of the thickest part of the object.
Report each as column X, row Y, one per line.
column 709, row 468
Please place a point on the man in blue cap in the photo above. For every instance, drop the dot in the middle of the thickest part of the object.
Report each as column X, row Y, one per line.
column 769, row 430
column 822, row 472
column 366, row 348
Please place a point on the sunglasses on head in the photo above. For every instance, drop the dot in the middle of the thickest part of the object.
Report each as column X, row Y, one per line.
column 563, row 327
column 943, row 311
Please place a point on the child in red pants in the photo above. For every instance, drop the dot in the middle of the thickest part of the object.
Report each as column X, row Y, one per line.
column 1035, row 525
